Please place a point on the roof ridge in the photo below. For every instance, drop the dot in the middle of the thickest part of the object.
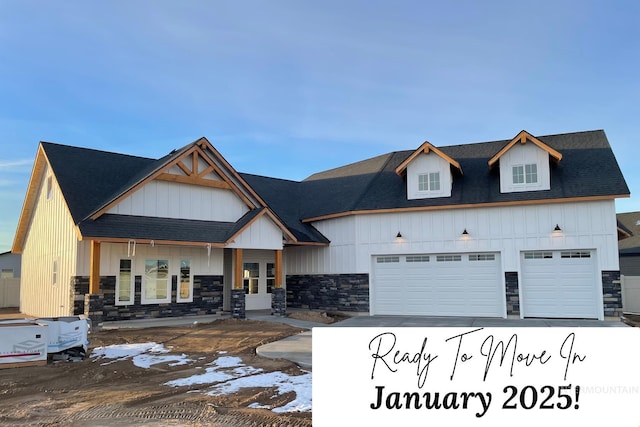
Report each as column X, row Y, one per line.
column 75, row 147
column 270, row 177
column 390, row 154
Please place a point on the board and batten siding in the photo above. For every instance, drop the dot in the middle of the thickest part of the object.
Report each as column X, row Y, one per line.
column 183, row 201
column 201, row 263
column 51, row 237
column 262, row 234
column 338, row 258
column 508, row 230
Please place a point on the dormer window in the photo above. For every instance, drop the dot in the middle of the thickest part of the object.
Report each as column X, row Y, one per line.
column 525, row 174
column 429, row 173
column 429, row 181
column 524, row 164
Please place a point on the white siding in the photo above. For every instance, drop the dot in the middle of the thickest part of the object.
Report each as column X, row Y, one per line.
column 426, row 163
column 508, row 230
column 174, row 200
column 262, row 234
column 521, row 154
column 201, row 264
column 338, row 258
column 51, row 237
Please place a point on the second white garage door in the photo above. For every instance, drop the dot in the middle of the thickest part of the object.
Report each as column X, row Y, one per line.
column 466, row 284
column 560, row 284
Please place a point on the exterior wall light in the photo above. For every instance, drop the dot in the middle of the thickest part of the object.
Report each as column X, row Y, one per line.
column 399, row 235
column 557, row 229
column 465, row 233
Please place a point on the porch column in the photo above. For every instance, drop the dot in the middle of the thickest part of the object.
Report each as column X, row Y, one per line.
column 94, row 300
column 237, row 290
column 278, row 293
column 94, row 275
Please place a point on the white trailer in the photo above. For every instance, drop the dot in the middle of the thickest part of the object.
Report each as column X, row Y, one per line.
column 28, row 342
column 23, row 344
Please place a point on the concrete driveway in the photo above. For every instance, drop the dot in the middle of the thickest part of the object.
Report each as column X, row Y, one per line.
column 297, row 348
column 431, row 322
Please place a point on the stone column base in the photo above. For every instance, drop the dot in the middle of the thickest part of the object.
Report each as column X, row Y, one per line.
column 238, row 305
column 94, row 308
column 279, row 302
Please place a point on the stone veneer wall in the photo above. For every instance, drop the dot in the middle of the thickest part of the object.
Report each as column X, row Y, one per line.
column 333, row 292
column 79, row 287
column 612, row 293
column 511, row 293
column 207, row 299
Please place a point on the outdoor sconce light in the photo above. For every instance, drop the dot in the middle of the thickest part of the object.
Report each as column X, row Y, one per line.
column 557, row 229
column 465, row 233
column 399, row 235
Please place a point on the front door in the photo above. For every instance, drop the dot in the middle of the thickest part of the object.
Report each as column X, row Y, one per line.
column 258, row 278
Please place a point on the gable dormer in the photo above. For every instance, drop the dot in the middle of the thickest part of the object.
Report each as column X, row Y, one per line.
column 428, row 172
column 524, row 164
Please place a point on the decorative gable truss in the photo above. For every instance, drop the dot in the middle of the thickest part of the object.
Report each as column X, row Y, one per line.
column 429, row 172
column 525, row 164
column 206, row 188
column 195, row 168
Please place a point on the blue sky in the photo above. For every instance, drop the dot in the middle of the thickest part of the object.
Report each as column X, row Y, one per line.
column 289, row 88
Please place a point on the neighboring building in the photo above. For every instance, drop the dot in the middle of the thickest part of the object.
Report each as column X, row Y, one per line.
column 629, row 243
column 523, row 227
column 9, row 265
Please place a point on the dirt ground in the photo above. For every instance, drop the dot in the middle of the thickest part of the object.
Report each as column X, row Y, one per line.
column 89, row 393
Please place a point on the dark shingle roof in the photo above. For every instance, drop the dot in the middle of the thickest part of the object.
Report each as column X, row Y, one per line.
column 285, row 198
column 588, row 168
column 89, row 179
column 167, row 229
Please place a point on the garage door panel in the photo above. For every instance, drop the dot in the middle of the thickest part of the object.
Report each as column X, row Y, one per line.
column 439, row 285
column 559, row 284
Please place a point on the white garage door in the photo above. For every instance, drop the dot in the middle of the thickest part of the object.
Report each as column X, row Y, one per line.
column 438, row 285
column 559, row 284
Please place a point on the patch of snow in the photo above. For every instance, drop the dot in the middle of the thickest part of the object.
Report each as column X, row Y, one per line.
column 138, row 354
column 300, row 385
column 220, row 372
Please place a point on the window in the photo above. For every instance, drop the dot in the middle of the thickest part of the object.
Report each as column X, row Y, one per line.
column 185, row 284
column 387, row 259
column 271, row 276
column 7, row 273
column 156, row 281
column 525, row 174
column 251, row 274
column 49, row 187
column 518, row 174
column 482, row 257
column 418, row 258
column 538, row 255
column 55, row 272
column 531, row 173
column 575, row 254
column 124, row 288
column 429, row 181
column 448, row 258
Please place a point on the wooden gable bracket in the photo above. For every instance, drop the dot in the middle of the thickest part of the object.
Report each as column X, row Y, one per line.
column 426, row 148
column 192, row 175
column 523, row 137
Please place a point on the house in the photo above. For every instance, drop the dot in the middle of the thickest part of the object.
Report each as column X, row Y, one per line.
column 9, row 265
column 629, row 243
column 521, row 227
